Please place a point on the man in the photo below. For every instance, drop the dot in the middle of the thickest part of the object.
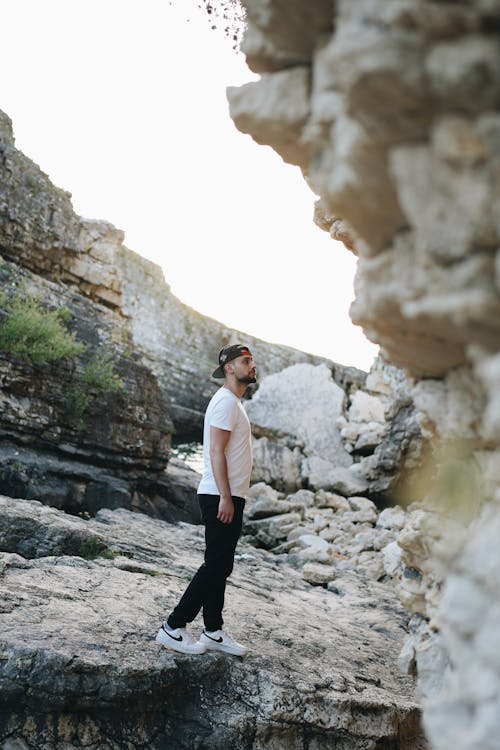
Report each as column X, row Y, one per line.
column 227, row 457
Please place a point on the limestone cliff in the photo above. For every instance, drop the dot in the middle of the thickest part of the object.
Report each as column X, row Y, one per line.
column 392, row 111
column 180, row 345
column 70, row 444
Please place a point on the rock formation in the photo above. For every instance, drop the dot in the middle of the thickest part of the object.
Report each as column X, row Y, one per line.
column 181, row 346
column 85, row 583
column 356, row 435
column 81, row 601
column 119, row 306
column 75, row 660
column 392, row 111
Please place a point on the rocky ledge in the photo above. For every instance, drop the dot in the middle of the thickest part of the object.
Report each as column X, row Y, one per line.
column 79, row 667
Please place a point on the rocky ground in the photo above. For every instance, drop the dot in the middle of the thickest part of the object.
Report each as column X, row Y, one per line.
column 81, row 602
column 324, row 533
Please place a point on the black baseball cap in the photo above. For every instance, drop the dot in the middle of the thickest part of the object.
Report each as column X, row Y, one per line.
column 227, row 354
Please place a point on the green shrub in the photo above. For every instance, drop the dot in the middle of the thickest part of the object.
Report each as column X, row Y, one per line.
column 74, row 407
column 64, row 314
column 93, row 547
column 100, row 373
column 35, row 334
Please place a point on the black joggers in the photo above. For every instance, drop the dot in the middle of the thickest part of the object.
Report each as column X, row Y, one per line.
column 208, row 586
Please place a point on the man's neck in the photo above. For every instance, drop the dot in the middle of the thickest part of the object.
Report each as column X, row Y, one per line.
column 237, row 388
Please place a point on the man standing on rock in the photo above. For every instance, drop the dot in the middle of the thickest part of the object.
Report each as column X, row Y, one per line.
column 227, row 457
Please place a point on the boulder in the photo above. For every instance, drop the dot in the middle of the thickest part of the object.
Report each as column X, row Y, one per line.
column 392, row 558
column 264, row 508
column 323, row 499
column 392, row 518
column 318, row 574
column 305, row 498
column 276, row 463
column 302, row 401
column 366, row 408
column 321, row 475
column 262, row 491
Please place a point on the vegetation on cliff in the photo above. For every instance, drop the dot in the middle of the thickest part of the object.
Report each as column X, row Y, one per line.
column 36, row 334
column 33, row 333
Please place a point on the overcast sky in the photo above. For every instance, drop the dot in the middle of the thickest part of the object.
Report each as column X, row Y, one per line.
column 123, row 104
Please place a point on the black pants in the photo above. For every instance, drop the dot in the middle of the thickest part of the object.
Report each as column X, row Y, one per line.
column 208, row 586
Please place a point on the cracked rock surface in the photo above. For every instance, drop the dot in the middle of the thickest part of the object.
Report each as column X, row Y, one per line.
column 79, row 667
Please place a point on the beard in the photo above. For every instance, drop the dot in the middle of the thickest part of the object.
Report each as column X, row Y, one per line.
column 248, row 379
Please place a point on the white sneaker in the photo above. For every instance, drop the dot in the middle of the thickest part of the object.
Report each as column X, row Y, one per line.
column 179, row 639
column 219, row 640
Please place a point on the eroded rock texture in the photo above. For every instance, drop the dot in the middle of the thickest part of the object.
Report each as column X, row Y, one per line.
column 353, row 434
column 79, row 668
column 113, row 452
column 181, row 345
column 392, row 111
column 40, row 232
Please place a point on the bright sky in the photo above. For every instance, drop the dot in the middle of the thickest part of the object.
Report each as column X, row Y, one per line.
column 123, row 104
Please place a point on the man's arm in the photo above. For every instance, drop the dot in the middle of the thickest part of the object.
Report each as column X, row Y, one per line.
column 218, row 442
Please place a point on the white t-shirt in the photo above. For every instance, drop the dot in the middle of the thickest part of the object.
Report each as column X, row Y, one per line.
column 226, row 411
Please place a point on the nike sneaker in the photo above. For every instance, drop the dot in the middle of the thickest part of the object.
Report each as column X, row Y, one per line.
column 179, row 639
column 219, row 640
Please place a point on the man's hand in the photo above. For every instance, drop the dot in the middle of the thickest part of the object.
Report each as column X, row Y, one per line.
column 226, row 510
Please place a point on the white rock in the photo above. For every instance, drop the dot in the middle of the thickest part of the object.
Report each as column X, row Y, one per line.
column 323, row 475
column 392, row 518
column 364, row 510
column 302, row 497
column 300, row 530
column 276, row 463
column 377, row 383
column 330, row 534
column 274, row 110
column 319, row 521
column 413, row 590
column 303, row 401
column 280, row 526
column 264, row 508
column 432, row 665
column 370, row 437
column 260, row 491
column 323, row 499
column 488, row 370
column 366, row 408
column 351, row 431
column 311, row 554
column 372, row 539
column 370, row 564
column 316, row 573
column 314, row 541
column 392, row 559
column 451, row 407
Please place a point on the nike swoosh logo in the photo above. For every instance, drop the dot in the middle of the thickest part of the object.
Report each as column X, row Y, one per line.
column 174, row 637
column 216, row 640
